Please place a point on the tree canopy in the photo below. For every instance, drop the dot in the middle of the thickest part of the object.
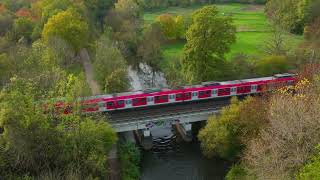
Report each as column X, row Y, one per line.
column 208, row 38
column 69, row 26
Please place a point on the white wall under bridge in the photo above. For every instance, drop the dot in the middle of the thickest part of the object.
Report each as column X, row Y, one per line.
column 147, row 122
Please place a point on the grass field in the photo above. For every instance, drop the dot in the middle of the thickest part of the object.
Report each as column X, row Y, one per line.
column 253, row 28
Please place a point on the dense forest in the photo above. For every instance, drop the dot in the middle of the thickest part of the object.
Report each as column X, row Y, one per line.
column 47, row 47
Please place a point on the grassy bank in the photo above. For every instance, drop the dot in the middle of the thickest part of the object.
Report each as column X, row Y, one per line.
column 253, row 29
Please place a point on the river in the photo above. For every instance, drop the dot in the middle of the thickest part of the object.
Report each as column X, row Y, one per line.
column 176, row 160
column 180, row 161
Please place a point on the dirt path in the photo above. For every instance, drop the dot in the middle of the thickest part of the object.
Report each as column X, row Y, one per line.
column 85, row 58
column 113, row 154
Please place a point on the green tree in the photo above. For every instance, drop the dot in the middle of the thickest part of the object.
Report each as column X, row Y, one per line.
column 6, row 22
column 226, row 135
column 311, row 169
column 69, row 26
column 22, row 28
column 6, row 69
column 129, row 159
column 272, row 65
column 208, row 39
column 98, row 9
column 150, row 48
column 108, row 64
column 36, row 143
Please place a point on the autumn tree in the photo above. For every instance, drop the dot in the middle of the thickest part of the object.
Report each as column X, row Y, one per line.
column 168, row 25
column 208, row 39
column 69, row 26
column 289, row 141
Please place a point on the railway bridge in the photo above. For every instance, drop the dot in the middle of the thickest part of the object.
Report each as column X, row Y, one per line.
column 182, row 115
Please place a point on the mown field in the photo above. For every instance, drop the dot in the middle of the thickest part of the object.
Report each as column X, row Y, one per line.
column 253, row 29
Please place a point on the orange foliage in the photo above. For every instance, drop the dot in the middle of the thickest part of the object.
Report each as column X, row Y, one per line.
column 23, row 12
column 2, row 8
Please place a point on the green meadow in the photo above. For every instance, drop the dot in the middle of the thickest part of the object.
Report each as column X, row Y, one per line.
column 253, row 29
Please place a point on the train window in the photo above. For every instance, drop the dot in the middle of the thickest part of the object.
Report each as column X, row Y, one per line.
column 142, row 100
column 157, row 98
column 227, row 90
column 201, row 93
column 240, row 88
column 128, row 101
column 171, row 96
column 150, row 99
column 178, row 95
column 120, row 103
column 135, row 101
column 164, row 97
column 248, row 88
column 208, row 92
column 233, row 89
column 221, row 91
column 187, row 94
column 195, row 94
column 110, row 103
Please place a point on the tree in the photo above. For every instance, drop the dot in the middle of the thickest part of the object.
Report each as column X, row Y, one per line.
column 275, row 44
column 182, row 25
column 311, row 169
column 22, row 28
column 36, row 143
column 150, row 48
column 288, row 142
column 108, row 64
column 208, row 39
column 69, row 26
column 227, row 135
column 117, row 81
column 98, row 9
column 125, row 20
column 168, row 25
column 272, row 65
column 6, row 70
column 290, row 14
column 6, row 22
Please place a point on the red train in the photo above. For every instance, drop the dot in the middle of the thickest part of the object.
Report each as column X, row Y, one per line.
column 207, row 90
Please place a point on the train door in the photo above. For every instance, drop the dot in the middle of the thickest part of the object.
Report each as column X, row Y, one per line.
column 254, row 88
column 194, row 95
column 233, row 91
column 150, row 100
column 128, row 103
column 172, row 98
column 214, row 93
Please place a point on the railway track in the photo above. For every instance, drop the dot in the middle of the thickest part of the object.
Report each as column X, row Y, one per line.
column 168, row 110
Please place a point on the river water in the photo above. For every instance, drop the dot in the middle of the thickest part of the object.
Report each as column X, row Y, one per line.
column 173, row 159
